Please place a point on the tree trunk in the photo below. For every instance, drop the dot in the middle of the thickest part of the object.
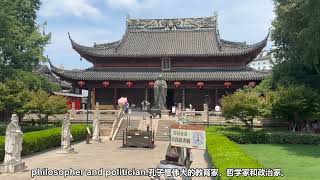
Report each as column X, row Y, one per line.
column 46, row 119
column 246, row 123
column 40, row 121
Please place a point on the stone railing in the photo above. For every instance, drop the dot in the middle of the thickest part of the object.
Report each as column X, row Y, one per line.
column 84, row 114
column 204, row 115
column 117, row 123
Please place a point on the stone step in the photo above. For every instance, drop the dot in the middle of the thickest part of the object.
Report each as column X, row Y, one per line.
column 163, row 130
column 134, row 123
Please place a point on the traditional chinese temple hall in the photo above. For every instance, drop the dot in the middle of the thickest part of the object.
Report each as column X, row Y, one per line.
column 197, row 64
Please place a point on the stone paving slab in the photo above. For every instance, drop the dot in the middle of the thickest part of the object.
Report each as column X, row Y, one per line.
column 106, row 155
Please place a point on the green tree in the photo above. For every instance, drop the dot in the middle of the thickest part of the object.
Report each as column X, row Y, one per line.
column 44, row 105
column 3, row 94
column 297, row 104
column 243, row 105
column 34, row 81
column 21, row 42
column 14, row 97
column 14, row 92
column 296, row 36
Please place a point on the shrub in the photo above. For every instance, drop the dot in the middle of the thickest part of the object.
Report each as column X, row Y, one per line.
column 297, row 104
column 226, row 154
column 27, row 128
column 247, row 136
column 243, row 105
column 45, row 105
column 38, row 141
column 3, row 129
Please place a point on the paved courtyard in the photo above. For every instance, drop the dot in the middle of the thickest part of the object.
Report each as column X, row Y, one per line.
column 107, row 155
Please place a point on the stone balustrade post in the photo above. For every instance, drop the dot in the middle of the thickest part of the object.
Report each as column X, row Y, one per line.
column 179, row 109
column 205, row 112
column 96, row 112
column 73, row 111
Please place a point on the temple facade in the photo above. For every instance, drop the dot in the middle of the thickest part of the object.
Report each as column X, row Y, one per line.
column 197, row 64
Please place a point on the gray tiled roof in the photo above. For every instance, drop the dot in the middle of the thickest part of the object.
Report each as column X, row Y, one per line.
column 45, row 72
column 213, row 75
column 169, row 38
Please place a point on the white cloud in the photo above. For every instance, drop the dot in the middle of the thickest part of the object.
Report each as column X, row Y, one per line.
column 79, row 8
column 131, row 4
column 122, row 3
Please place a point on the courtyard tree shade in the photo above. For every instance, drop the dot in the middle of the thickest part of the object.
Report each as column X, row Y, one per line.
column 189, row 50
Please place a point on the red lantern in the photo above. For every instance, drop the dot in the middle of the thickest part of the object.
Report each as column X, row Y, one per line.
column 176, row 84
column 151, row 84
column 252, row 84
column 227, row 84
column 200, row 84
column 129, row 84
column 105, row 84
column 81, row 83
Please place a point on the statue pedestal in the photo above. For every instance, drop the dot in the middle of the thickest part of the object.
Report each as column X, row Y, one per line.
column 12, row 167
column 66, row 151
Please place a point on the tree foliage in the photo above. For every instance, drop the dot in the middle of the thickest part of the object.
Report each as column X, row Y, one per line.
column 14, row 92
column 34, row 81
column 296, row 36
column 297, row 104
column 45, row 105
column 21, row 42
column 243, row 105
column 14, row 96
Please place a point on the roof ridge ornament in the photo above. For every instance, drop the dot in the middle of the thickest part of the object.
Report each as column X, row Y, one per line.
column 169, row 24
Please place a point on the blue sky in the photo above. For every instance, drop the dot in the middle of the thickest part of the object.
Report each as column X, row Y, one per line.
column 100, row 21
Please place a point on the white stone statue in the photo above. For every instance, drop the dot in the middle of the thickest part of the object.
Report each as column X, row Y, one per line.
column 13, row 147
column 66, row 135
column 96, row 127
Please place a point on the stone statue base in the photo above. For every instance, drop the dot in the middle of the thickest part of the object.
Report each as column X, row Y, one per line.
column 66, row 151
column 12, row 167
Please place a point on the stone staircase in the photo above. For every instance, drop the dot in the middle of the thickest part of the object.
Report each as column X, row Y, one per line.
column 105, row 127
column 134, row 124
column 163, row 130
column 106, row 122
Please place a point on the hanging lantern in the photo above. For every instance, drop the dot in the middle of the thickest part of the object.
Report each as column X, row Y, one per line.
column 105, row 84
column 252, row 84
column 151, row 84
column 129, row 84
column 200, row 84
column 227, row 84
column 177, row 84
column 81, row 83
